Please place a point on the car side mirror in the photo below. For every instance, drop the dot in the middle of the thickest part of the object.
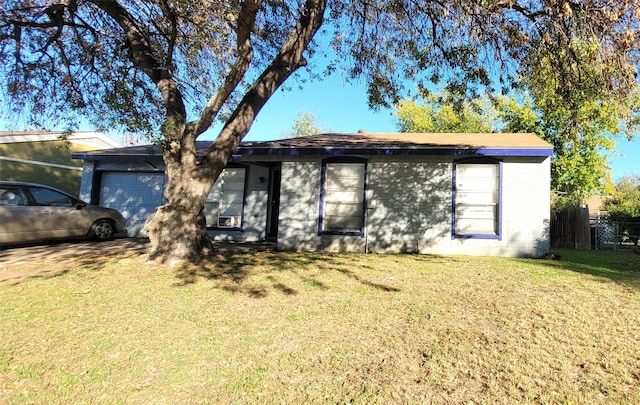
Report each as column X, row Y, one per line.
column 79, row 205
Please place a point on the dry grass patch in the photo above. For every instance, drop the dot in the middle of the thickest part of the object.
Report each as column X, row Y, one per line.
column 290, row 328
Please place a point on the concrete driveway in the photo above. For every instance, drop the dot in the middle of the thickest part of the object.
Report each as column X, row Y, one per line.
column 56, row 251
column 18, row 263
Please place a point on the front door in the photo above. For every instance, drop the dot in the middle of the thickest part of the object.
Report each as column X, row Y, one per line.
column 274, row 204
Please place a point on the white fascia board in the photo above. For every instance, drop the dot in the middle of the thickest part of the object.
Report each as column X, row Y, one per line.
column 97, row 140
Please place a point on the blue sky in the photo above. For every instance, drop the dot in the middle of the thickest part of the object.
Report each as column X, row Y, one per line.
column 339, row 107
column 627, row 158
column 342, row 107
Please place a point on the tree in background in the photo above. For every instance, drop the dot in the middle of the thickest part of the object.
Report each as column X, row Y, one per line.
column 170, row 68
column 306, row 124
column 625, row 203
column 583, row 133
column 571, row 108
column 579, row 167
column 442, row 114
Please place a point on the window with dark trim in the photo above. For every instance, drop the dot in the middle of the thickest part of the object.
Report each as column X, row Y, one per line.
column 225, row 202
column 477, row 199
column 342, row 196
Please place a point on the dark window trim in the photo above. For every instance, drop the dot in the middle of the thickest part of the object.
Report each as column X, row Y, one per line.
column 484, row 160
column 342, row 159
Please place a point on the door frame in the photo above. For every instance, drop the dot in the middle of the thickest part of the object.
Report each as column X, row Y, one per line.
column 273, row 208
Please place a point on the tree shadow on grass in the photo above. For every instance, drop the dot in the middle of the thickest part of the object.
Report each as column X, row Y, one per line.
column 16, row 278
column 19, row 263
column 368, row 283
column 232, row 270
column 622, row 267
column 18, row 273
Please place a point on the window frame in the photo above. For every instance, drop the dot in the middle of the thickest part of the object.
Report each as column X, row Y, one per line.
column 240, row 227
column 323, row 192
column 477, row 161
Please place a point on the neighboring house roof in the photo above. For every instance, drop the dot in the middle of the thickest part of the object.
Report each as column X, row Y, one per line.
column 93, row 140
column 484, row 144
column 45, row 156
column 595, row 204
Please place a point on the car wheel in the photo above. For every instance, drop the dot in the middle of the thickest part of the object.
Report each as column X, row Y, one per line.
column 102, row 229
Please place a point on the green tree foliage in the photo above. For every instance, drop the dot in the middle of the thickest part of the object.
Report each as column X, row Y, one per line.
column 582, row 127
column 440, row 114
column 305, row 124
column 625, row 203
column 170, row 68
column 580, row 165
column 580, row 115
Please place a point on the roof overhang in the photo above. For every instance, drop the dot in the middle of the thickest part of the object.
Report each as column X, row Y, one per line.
column 329, row 151
column 395, row 144
column 96, row 140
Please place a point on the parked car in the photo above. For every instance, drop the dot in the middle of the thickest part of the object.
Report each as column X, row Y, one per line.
column 33, row 212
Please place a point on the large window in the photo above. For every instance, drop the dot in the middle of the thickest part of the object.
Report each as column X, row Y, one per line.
column 477, row 199
column 342, row 197
column 225, row 201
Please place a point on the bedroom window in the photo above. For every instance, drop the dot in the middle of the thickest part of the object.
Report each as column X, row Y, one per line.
column 477, row 199
column 342, row 202
column 225, row 201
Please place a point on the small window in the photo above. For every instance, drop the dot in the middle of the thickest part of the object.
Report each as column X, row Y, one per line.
column 477, row 200
column 225, row 201
column 342, row 197
column 52, row 198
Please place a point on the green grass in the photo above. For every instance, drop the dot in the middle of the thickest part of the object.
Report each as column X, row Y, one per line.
column 270, row 327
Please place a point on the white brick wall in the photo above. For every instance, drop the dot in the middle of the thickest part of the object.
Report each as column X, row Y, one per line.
column 86, row 181
column 526, row 207
column 410, row 204
column 409, row 209
column 299, row 204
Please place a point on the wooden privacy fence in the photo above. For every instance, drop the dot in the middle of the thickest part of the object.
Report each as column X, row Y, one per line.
column 570, row 229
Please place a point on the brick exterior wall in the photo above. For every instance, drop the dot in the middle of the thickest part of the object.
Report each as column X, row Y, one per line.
column 409, row 205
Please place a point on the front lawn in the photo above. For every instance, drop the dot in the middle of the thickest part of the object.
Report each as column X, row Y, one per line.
column 271, row 327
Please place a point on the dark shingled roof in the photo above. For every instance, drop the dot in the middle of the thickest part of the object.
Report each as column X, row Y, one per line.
column 407, row 140
column 366, row 143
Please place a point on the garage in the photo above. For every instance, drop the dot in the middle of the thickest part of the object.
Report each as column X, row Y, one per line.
column 134, row 194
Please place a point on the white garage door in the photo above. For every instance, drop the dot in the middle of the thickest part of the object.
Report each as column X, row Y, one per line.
column 135, row 195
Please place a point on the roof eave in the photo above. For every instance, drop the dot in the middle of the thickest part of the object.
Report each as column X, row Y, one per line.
column 338, row 151
column 330, row 151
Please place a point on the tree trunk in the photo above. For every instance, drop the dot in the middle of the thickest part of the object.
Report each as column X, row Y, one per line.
column 176, row 234
column 178, row 230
